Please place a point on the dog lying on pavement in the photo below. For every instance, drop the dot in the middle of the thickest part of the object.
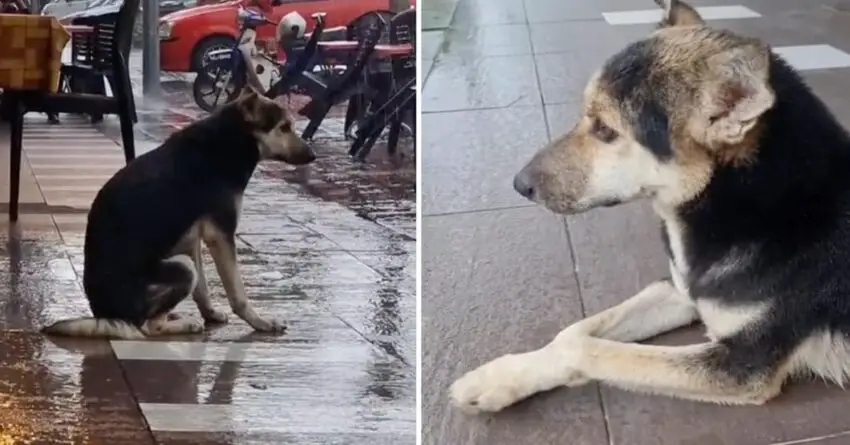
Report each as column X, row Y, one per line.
column 145, row 226
column 748, row 171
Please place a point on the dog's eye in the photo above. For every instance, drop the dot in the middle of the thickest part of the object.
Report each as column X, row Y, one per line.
column 286, row 127
column 603, row 132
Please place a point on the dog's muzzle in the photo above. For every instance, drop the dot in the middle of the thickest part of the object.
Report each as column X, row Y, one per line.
column 303, row 156
column 523, row 186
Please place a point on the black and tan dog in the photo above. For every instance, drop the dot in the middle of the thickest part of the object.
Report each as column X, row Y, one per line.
column 145, row 226
column 749, row 172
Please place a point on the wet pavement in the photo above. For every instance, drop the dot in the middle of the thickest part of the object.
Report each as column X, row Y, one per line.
column 501, row 275
column 330, row 248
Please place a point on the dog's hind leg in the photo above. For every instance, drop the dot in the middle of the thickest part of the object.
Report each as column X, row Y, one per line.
column 223, row 249
column 201, row 293
column 95, row 327
column 175, row 280
column 656, row 309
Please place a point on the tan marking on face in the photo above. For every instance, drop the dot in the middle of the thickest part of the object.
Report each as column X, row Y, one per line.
column 712, row 87
column 586, row 168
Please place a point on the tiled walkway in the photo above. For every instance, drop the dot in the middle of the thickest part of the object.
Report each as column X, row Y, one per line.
column 500, row 275
column 344, row 372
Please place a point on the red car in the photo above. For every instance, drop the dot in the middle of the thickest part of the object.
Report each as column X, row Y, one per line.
column 186, row 36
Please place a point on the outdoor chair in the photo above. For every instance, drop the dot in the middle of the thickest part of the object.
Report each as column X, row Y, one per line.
column 375, row 77
column 401, row 99
column 341, row 88
column 91, row 59
column 106, row 56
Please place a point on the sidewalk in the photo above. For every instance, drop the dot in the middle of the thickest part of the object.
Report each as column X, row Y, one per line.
column 344, row 283
column 501, row 275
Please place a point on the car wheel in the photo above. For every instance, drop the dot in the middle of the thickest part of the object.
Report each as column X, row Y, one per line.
column 205, row 46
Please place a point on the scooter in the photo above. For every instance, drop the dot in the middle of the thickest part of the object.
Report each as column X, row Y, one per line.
column 226, row 71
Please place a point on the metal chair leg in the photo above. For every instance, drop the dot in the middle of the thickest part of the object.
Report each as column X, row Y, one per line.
column 16, row 124
column 392, row 138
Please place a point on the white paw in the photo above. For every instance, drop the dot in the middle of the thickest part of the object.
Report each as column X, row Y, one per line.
column 513, row 377
column 266, row 325
column 194, row 326
column 495, row 385
column 215, row 317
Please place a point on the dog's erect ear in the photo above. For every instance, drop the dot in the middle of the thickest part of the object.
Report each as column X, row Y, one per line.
column 258, row 109
column 735, row 94
column 677, row 13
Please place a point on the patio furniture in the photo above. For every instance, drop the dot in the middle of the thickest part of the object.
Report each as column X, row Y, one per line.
column 401, row 98
column 91, row 55
column 341, row 88
column 107, row 57
column 372, row 82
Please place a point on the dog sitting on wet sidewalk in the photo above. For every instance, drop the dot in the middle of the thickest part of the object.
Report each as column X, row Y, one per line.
column 750, row 174
column 145, row 226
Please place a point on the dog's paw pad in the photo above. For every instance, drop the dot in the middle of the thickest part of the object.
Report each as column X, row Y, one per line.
column 216, row 317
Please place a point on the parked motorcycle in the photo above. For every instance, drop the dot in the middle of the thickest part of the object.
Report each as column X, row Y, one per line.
column 226, row 71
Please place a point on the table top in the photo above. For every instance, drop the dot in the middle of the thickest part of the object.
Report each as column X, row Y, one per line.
column 76, row 29
column 381, row 50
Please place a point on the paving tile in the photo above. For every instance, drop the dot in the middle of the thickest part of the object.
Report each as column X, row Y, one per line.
column 655, row 15
column 488, row 12
column 237, row 387
column 483, row 41
column 805, row 411
column 585, row 38
column 78, row 386
column 172, row 438
column 813, row 57
column 831, row 86
column 432, row 41
column 437, row 14
column 554, row 11
column 475, row 171
column 493, row 283
column 832, row 439
column 457, row 83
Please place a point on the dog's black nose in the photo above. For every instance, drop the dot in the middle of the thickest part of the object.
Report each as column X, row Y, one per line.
column 522, row 184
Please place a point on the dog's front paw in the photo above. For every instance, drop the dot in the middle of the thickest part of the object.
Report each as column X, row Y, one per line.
column 192, row 326
column 267, row 325
column 215, row 317
column 495, row 385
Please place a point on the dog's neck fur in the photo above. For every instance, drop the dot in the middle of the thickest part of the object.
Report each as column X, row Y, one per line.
column 796, row 160
column 236, row 151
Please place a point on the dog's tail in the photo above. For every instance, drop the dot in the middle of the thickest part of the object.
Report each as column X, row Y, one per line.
column 95, row 327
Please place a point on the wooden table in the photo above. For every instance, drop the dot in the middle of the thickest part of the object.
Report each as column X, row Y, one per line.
column 78, row 29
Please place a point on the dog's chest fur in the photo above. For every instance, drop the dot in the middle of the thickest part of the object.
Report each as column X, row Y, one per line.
column 720, row 318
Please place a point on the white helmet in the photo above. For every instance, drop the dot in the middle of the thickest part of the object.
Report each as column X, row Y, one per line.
column 292, row 25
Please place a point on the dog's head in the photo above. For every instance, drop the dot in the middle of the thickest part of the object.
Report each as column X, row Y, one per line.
column 657, row 119
column 273, row 128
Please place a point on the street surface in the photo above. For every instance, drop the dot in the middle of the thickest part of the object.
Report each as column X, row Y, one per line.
column 500, row 275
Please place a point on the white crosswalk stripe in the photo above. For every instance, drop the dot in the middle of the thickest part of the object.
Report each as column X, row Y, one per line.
column 801, row 57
